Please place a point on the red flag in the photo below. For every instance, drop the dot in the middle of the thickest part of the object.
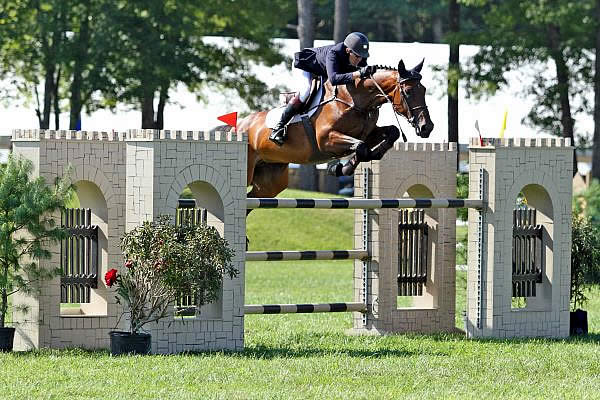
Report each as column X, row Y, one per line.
column 230, row 119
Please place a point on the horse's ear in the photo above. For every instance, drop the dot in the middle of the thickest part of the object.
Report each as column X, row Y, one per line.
column 401, row 68
column 420, row 66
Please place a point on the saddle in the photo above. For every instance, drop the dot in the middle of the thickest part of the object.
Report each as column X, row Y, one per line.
column 310, row 107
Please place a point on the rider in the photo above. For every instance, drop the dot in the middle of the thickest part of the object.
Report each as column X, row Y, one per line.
column 341, row 63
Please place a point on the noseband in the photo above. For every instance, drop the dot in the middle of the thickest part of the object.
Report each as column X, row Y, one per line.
column 414, row 113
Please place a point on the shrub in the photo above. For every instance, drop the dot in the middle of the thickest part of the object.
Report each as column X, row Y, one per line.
column 585, row 259
column 162, row 261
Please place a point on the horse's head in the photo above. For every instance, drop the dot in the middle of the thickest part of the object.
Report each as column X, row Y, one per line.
column 408, row 99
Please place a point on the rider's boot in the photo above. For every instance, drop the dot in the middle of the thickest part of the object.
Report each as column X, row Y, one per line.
column 279, row 133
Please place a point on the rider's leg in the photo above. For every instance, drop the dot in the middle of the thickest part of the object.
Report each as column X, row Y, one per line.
column 302, row 79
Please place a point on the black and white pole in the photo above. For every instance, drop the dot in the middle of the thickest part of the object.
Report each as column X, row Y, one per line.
column 306, row 255
column 303, row 308
column 365, row 204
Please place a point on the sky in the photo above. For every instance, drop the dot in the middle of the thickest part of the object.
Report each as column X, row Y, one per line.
column 187, row 113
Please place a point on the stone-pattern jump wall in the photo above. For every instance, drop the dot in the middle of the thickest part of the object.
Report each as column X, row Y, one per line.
column 408, row 170
column 140, row 174
column 542, row 169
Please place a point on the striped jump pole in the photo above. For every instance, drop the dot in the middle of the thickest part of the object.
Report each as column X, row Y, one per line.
column 365, row 204
column 306, row 255
column 304, row 308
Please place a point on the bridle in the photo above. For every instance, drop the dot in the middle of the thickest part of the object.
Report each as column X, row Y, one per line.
column 414, row 113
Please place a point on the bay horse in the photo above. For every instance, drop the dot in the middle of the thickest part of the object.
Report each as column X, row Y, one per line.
column 345, row 123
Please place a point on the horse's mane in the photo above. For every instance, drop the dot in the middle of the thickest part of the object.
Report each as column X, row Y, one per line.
column 386, row 67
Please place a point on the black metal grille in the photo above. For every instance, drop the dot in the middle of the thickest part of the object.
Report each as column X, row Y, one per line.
column 78, row 256
column 188, row 214
column 413, row 248
column 527, row 256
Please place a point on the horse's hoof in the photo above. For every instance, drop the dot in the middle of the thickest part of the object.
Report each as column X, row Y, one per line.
column 335, row 170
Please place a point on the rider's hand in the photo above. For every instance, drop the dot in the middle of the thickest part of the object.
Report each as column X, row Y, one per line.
column 367, row 71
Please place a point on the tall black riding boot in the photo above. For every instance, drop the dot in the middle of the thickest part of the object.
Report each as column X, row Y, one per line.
column 279, row 132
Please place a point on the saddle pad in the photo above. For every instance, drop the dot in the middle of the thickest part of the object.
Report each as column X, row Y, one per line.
column 274, row 115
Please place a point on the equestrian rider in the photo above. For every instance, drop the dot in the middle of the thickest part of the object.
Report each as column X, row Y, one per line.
column 341, row 63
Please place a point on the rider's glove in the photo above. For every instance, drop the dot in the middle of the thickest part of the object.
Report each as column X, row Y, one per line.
column 367, row 71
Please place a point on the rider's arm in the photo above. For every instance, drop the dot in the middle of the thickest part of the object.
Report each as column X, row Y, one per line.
column 333, row 65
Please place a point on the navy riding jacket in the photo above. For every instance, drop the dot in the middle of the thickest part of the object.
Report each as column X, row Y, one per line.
column 330, row 61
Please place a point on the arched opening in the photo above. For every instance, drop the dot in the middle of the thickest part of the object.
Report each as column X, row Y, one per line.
column 532, row 250
column 417, row 247
column 84, row 254
column 200, row 203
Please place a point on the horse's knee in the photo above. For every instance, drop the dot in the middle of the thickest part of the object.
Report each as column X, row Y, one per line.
column 363, row 152
column 392, row 134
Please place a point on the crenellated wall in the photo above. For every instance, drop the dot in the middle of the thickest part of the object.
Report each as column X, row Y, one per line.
column 418, row 170
column 140, row 175
column 542, row 170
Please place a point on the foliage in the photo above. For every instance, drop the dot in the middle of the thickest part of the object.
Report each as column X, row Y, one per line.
column 164, row 260
column 587, row 203
column 99, row 53
column 462, row 192
column 585, row 260
column 27, row 227
column 546, row 35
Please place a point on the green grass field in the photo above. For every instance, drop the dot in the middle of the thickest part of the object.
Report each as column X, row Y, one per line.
column 310, row 356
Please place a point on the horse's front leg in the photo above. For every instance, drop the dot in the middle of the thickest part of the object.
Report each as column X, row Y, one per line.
column 342, row 145
column 381, row 139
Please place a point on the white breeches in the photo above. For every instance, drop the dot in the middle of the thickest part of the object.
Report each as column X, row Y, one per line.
column 301, row 82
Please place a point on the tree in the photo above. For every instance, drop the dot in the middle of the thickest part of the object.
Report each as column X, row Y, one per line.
column 26, row 228
column 596, row 144
column 453, row 72
column 306, row 34
column 537, row 34
column 340, row 27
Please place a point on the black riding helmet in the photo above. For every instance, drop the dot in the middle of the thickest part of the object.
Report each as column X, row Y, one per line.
column 358, row 43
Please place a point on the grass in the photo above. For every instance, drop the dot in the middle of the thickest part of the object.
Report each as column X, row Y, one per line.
column 310, row 356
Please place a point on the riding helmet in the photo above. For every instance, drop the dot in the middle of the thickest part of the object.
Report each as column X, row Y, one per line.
column 358, row 43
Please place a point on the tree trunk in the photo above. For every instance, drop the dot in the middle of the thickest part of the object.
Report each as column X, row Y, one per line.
column 306, row 34
column 562, row 76
column 57, row 100
column 596, row 144
column 148, row 110
column 437, row 29
column 162, row 102
column 340, row 26
column 81, row 53
column 453, row 73
column 398, row 28
column 48, row 94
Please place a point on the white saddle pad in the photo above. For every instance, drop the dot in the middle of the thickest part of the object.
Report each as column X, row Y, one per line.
column 274, row 115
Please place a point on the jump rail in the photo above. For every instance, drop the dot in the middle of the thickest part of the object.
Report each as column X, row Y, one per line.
column 304, row 308
column 306, row 255
column 365, row 204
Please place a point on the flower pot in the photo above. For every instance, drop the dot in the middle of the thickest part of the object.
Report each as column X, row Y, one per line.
column 7, row 336
column 128, row 343
column 579, row 323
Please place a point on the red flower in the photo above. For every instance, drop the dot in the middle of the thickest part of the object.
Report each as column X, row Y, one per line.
column 110, row 277
column 129, row 263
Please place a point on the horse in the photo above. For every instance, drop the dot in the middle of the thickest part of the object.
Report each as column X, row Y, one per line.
column 344, row 124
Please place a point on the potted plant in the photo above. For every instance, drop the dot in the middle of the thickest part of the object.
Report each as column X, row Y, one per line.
column 585, row 269
column 163, row 260
column 26, row 229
